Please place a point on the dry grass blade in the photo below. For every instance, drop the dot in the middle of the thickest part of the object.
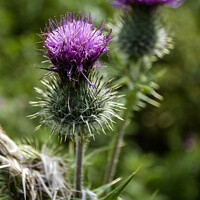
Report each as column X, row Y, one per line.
column 26, row 173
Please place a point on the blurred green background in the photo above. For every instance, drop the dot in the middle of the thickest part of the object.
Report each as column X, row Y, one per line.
column 164, row 140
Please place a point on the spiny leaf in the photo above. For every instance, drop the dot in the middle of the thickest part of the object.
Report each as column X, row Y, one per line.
column 113, row 195
column 99, row 191
column 154, row 195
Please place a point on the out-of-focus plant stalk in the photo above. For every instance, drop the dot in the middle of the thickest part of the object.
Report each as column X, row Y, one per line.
column 115, row 153
column 118, row 140
column 78, row 180
column 119, row 136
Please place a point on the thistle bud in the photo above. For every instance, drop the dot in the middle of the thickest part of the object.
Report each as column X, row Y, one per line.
column 81, row 110
column 141, row 33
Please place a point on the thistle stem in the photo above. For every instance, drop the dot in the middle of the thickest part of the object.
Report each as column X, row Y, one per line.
column 78, row 181
column 115, row 151
column 115, row 154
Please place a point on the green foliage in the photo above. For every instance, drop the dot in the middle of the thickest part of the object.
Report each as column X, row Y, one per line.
column 114, row 194
column 101, row 190
column 143, row 87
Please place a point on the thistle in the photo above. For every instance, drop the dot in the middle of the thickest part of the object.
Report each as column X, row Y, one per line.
column 76, row 101
column 140, row 31
column 143, row 38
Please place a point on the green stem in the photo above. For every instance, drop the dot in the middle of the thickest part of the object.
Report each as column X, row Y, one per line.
column 115, row 154
column 78, row 181
column 115, row 151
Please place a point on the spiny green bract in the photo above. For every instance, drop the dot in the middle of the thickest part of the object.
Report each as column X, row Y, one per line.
column 141, row 33
column 77, row 109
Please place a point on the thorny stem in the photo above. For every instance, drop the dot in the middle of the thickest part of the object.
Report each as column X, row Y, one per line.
column 78, row 182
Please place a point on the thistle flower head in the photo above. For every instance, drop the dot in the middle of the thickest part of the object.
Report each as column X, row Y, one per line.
column 172, row 3
column 74, row 44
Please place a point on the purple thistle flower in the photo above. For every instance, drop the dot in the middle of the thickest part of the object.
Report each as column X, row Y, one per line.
column 74, row 45
column 172, row 3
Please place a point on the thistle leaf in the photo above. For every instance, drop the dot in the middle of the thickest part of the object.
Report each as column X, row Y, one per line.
column 99, row 191
column 114, row 194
